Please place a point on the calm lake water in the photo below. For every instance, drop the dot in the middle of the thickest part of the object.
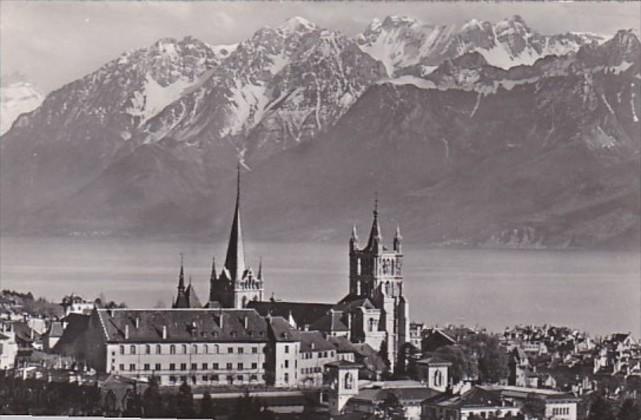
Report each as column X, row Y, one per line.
column 595, row 291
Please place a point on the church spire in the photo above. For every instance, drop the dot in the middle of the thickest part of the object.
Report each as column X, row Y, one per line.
column 375, row 237
column 181, row 275
column 260, row 268
column 235, row 259
column 213, row 277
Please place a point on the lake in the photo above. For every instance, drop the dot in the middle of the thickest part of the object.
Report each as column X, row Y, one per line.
column 591, row 290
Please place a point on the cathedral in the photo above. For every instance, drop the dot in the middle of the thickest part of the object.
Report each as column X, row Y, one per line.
column 236, row 285
column 374, row 312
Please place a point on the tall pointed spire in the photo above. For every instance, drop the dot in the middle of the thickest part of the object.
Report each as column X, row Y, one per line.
column 260, row 268
column 375, row 237
column 181, row 276
column 235, row 259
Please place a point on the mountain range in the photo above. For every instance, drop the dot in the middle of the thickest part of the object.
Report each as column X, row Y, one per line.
column 485, row 134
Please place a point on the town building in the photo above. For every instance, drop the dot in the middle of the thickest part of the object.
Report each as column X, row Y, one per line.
column 206, row 346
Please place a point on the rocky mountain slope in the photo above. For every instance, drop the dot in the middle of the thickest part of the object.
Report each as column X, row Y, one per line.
column 476, row 152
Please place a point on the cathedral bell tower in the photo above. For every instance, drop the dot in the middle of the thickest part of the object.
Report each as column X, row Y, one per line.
column 376, row 272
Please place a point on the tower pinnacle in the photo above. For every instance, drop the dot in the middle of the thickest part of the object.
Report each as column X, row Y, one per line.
column 375, row 237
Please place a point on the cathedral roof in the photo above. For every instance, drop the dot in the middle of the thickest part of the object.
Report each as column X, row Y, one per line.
column 331, row 321
column 302, row 312
column 182, row 325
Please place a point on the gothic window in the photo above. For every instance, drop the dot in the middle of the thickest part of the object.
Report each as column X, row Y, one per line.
column 387, row 290
column 358, row 266
column 244, row 301
column 393, row 271
column 348, row 380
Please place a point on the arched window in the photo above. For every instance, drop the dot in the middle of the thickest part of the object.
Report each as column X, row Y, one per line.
column 184, row 348
column 358, row 266
column 147, row 349
column 244, row 301
column 158, row 349
column 206, row 348
column 194, row 348
column 348, row 380
column 438, row 378
column 172, row 349
column 132, row 349
column 122, row 349
column 216, row 349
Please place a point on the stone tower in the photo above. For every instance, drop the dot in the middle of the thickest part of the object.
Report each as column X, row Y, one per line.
column 377, row 273
column 236, row 285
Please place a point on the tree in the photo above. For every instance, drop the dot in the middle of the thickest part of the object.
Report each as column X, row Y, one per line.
column 133, row 403
column 491, row 358
column 206, row 407
column 185, row 401
column 630, row 410
column 601, row 409
column 151, row 400
column 382, row 352
column 463, row 365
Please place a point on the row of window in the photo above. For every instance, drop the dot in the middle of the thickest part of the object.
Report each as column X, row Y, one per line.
column 215, row 378
column 321, row 354
column 183, row 349
column 194, row 366
column 560, row 411
column 309, row 370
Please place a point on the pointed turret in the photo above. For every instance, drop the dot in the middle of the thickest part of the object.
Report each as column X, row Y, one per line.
column 397, row 239
column 260, row 269
column 375, row 237
column 182, row 301
column 353, row 240
column 235, row 259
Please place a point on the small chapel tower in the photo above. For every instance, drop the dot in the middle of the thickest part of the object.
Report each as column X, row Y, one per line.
column 236, row 285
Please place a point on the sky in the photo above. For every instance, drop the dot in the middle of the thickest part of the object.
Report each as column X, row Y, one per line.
column 55, row 42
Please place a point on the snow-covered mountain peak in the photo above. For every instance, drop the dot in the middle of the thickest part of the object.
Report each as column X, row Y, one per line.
column 297, row 24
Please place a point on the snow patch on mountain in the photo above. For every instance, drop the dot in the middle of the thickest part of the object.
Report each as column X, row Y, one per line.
column 16, row 99
column 153, row 97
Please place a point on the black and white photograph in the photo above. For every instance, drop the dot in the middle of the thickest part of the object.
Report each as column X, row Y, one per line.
column 320, row 210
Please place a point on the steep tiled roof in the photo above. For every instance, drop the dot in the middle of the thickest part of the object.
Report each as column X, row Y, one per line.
column 313, row 340
column 434, row 360
column 281, row 329
column 342, row 344
column 303, row 313
column 211, row 325
column 416, row 394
